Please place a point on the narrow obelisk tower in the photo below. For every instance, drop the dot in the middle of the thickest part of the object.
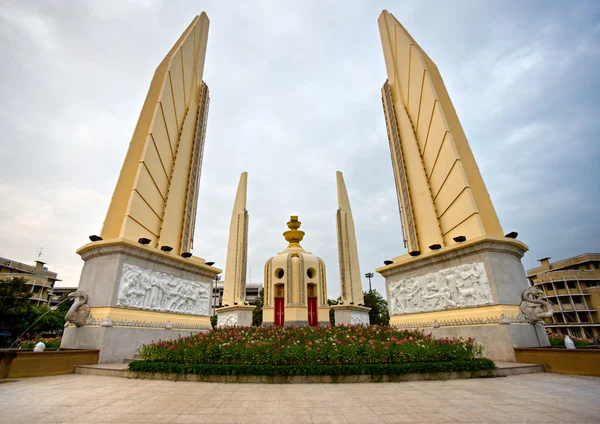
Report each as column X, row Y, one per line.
column 462, row 276
column 234, row 310
column 351, row 309
column 140, row 279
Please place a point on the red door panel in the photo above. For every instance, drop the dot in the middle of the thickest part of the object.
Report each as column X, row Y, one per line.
column 312, row 312
column 279, row 312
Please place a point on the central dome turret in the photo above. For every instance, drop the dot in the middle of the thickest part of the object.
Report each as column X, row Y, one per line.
column 294, row 236
column 295, row 284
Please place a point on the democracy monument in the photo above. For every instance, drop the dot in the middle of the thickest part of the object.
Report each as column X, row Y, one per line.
column 462, row 276
column 139, row 280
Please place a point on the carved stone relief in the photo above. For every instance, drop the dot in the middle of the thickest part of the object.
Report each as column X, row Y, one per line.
column 227, row 319
column 146, row 289
column 359, row 318
column 461, row 286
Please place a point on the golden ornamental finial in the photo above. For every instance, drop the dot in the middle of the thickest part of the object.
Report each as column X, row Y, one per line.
column 294, row 236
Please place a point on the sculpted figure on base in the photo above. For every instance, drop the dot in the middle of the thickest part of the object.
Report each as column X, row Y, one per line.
column 79, row 311
column 532, row 306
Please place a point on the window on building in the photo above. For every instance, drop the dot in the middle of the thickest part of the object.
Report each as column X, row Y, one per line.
column 564, row 300
column 576, row 333
column 587, row 266
column 559, row 285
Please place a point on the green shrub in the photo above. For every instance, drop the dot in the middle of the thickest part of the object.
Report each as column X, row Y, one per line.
column 53, row 343
column 559, row 341
column 479, row 364
column 269, row 346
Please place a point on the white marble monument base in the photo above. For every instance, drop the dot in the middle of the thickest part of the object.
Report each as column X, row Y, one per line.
column 118, row 343
column 136, row 294
column 351, row 315
column 238, row 316
column 470, row 289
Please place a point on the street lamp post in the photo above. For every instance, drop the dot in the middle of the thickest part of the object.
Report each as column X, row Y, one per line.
column 369, row 275
column 217, row 278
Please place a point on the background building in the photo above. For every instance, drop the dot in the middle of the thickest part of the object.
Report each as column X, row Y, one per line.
column 57, row 293
column 38, row 277
column 252, row 290
column 572, row 286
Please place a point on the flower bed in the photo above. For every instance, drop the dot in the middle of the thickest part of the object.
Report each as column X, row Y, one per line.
column 352, row 350
column 559, row 341
column 52, row 343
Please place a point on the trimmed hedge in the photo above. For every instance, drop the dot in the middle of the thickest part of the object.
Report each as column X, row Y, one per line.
column 479, row 364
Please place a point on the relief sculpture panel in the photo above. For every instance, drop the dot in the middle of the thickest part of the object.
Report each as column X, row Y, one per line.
column 147, row 289
column 461, row 286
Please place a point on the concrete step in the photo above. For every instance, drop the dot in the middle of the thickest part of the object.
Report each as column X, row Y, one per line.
column 129, row 360
column 105, row 370
column 503, row 369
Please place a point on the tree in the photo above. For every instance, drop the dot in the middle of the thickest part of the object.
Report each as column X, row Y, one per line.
column 17, row 313
column 14, row 301
column 257, row 316
column 379, row 310
column 332, row 302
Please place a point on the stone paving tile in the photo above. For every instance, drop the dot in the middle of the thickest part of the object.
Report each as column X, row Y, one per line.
column 294, row 418
column 224, row 419
column 185, row 419
column 537, row 398
column 329, row 419
column 260, row 419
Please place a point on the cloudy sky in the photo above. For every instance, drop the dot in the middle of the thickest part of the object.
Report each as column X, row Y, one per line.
column 295, row 96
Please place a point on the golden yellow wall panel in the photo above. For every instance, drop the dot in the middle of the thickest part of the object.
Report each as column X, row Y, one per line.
column 402, row 53
column 176, row 75
column 445, row 161
column 387, row 48
column 417, row 71
column 168, row 110
column 469, row 228
column 202, row 35
column 428, row 100
column 149, row 191
column 132, row 230
column 155, row 178
column 419, row 93
column 437, row 134
column 188, row 55
column 155, row 167
column 162, row 142
column 461, row 209
column 451, row 188
column 143, row 213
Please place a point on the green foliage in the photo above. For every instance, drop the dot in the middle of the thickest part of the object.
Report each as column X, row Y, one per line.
column 51, row 343
column 213, row 321
column 379, row 314
column 479, row 364
column 559, row 341
column 332, row 302
column 257, row 316
column 14, row 298
column 18, row 313
column 310, row 345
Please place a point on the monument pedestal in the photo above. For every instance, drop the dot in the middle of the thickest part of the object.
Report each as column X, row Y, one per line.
column 471, row 289
column 351, row 315
column 137, row 294
column 238, row 315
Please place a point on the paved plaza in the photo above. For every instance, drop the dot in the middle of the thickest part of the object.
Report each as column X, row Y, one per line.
column 532, row 398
